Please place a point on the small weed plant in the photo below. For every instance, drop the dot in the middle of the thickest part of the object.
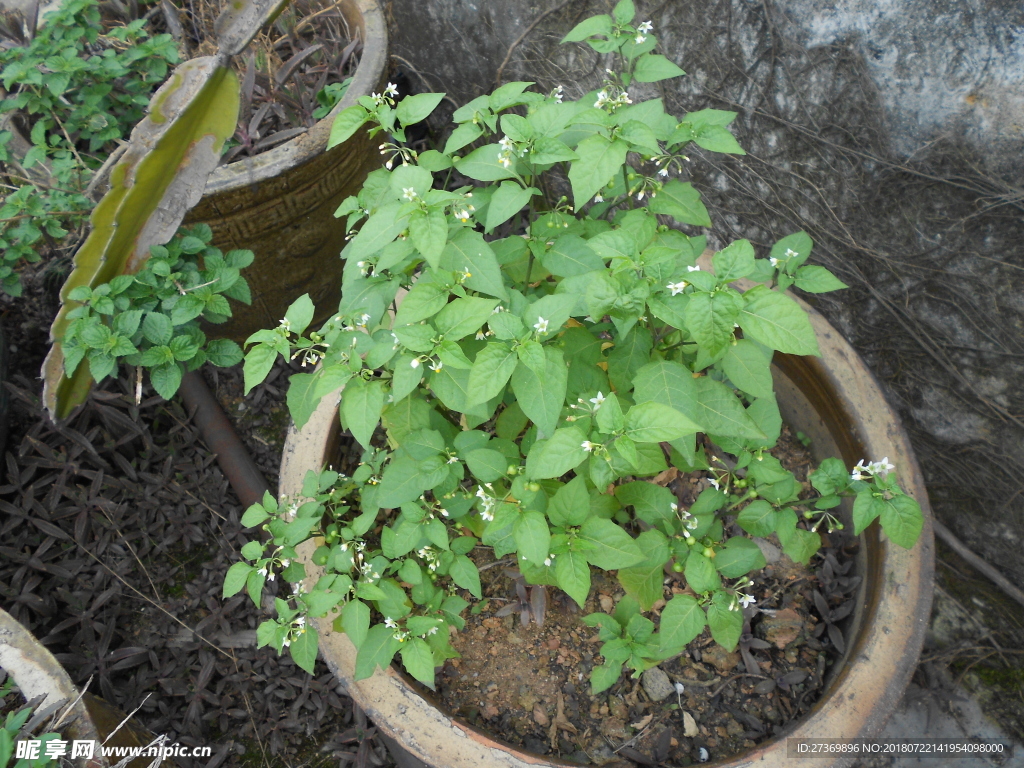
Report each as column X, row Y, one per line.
column 150, row 320
column 544, row 361
column 78, row 91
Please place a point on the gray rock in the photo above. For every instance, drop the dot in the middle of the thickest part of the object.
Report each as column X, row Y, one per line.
column 657, row 684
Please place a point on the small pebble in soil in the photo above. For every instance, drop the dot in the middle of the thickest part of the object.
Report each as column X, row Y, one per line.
column 656, row 684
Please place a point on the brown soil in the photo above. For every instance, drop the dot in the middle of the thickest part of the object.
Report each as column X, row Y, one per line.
column 529, row 684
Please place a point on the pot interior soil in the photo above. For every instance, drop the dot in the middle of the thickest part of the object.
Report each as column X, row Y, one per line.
column 529, row 685
column 291, row 74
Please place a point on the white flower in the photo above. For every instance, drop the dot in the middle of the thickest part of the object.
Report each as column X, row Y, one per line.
column 645, row 28
column 774, row 261
column 285, row 563
column 746, row 600
column 463, row 215
column 693, row 269
column 677, row 288
column 262, row 571
column 547, row 560
column 486, row 516
column 602, row 99
column 587, row 446
column 301, row 621
column 640, row 195
column 286, row 643
column 391, row 90
column 541, row 326
column 680, row 688
column 480, row 335
column 436, row 366
column 409, row 193
column 674, row 507
column 790, row 253
column 860, row 471
column 390, row 623
column 286, row 324
column 598, row 198
column 453, row 459
column 599, row 400
column 432, row 630
column 882, row 467
column 714, row 483
column 557, row 94
column 663, row 172
column 271, row 576
column 639, row 39
column 415, row 363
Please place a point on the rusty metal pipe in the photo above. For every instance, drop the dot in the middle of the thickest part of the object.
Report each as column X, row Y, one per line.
column 232, row 455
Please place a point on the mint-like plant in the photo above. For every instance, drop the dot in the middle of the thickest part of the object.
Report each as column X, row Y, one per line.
column 517, row 367
column 78, row 99
column 150, row 320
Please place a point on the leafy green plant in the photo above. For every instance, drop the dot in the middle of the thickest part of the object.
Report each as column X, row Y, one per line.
column 151, row 319
column 13, row 726
column 543, row 362
column 78, row 103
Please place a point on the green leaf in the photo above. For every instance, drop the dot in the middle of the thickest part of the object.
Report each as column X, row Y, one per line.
column 361, row 405
column 346, row 123
column 303, row 649
column 604, row 677
column 469, row 252
column 235, row 578
column 612, row 548
column 465, row 574
column 462, row 317
column 734, row 261
column 815, row 279
column 652, row 67
column 417, row 657
column 650, row 502
column 609, row 416
column 715, row 138
column 533, row 538
column 462, row 136
column 590, row 27
column 554, row 308
column 720, row 412
column 726, row 625
column 700, row 573
column 429, row 233
column 599, row 160
column 299, row 314
column 571, row 503
column 541, row 398
column 748, row 368
column 166, row 379
column 491, row 371
column 483, row 164
column 710, row 318
column 157, row 328
column 413, row 109
column 739, row 557
column 486, row 465
column 223, row 353
column 682, row 202
column 628, row 357
column 378, row 230
column 302, row 398
column 653, row 422
column 377, row 650
column 423, row 301
column 792, row 250
column 643, row 581
column 355, row 619
column 758, row 518
column 507, row 200
column 777, row 321
column 555, row 457
column 258, row 362
column 681, row 620
column 570, row 255
column 624, row 11
column 902, row 520
column 573, row 576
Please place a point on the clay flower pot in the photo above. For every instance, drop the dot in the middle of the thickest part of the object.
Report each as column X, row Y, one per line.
column 280, row 204
column 836, row 402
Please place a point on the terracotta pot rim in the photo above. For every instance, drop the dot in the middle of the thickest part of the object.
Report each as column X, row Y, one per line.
column 896, row 599
column 244, row 172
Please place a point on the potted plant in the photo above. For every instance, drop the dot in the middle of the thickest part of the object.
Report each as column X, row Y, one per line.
column 543, row 360
column 280, row 204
